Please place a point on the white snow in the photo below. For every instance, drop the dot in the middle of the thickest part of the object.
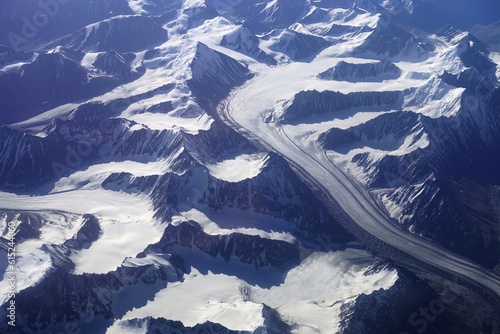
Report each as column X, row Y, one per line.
column 202, row 298
column 435, row 99
column 93, row 176
column 89, row 59
column 119, row 240
column 313, row 292
column 30, row 269
column 310, row 296
column 149, row 259
column 495, row 56
column 161, row 122
column 37, row 123
column 138, row 6
column 212, row 30
column 126, row 220
column 12, row 68
column 230, row 220
column 249, row 106
column 57, row 227
column 193, row 4
column 120, row 327
column 246, row 166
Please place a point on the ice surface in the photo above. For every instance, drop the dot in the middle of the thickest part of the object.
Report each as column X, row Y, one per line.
column 246, row 166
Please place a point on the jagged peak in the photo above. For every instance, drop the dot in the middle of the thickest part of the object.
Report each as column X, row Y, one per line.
column 316, row 15
column 397, row 133
column 210, row 68
column 378, row 71
column 241, row 39
column 434, row 98
column 396, row 7
column 154, row 7
column 190, row 4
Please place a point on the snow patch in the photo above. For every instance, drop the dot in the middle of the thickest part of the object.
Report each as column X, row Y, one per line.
column 202, row 298
column 230, row 220
column 89, row 59
column 31, row 268
column 313, row 292
column 495, row 56
column 434, row 98
column 12, row 68
column 123, row 218
column 243, row 167
column 138, row 6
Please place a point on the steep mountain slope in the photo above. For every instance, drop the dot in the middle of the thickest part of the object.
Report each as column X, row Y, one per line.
column 343, row 71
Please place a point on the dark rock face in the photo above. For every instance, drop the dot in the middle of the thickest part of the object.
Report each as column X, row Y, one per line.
column 387, row 131
column 456, row 145
column 390, row 40
column 272, row 325
column 343, row 71
column 444, row 194
column 277, row 192
column 420, row 310
column 214, row 75
column 29, row 165
column 164, row 326
column 86, row 235
column 242, row 40
column 216, row 144
column 247, row 249
column 80, row 297
column 338, row 30
column 89, row 232
column 297, row 46
column 114, row 65
column 474, row 54
column 266, row 14
column 64, row 78
column 30, row 161
column 314, row 103
column 28, row 224
column 447, row 191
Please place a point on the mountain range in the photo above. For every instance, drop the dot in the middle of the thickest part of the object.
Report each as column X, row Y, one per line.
column 275, row 166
